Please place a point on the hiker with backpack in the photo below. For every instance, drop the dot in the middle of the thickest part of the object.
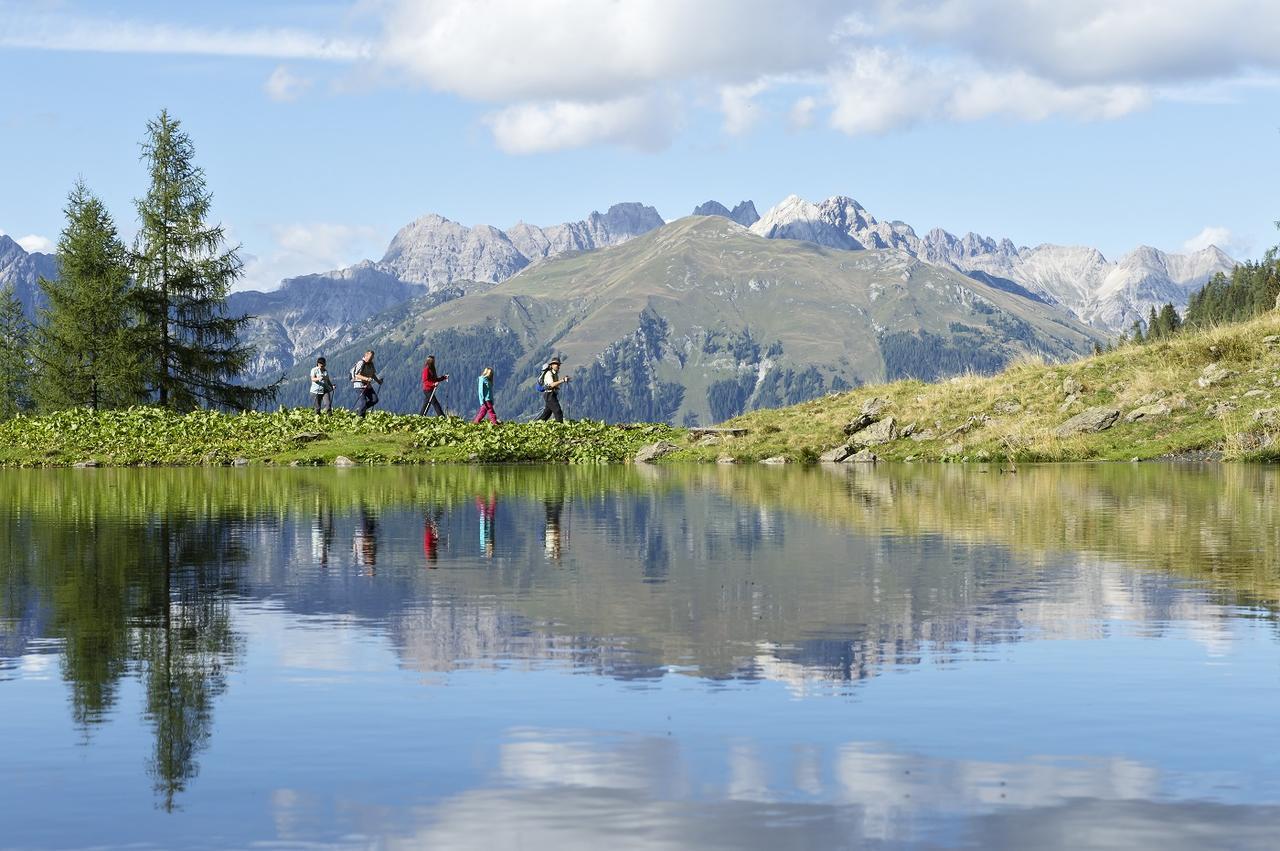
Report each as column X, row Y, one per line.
column 363, row 376
column 484, row 389
column 549, row 386
column 431, row 382
column 321, row 387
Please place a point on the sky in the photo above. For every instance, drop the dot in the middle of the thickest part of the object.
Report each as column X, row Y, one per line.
column 323, row 127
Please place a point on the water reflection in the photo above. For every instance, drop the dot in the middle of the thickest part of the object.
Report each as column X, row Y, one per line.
column 740, row 584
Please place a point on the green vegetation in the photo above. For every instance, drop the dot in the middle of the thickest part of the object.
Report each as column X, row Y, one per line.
column 1251, row 290
column 86, row 350
column 1016, row 415
column 183, row 275
column 157, row 436
column 15, row 367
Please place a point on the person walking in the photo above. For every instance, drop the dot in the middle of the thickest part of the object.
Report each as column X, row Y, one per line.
column 484, row 389
column 363, row 376
column 430, row 384
column 321, row 388
column 550, row 383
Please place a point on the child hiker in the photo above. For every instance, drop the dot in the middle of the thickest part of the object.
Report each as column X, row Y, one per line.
column 484, row 389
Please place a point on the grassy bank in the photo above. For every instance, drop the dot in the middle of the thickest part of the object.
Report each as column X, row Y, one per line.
column 1017, row 415
column 152, row 436
column 1209, row 394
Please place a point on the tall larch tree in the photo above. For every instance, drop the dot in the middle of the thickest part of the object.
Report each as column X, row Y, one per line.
column 184, row 271
column 86, row 347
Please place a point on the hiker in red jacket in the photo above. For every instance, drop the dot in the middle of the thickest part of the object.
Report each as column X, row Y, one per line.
column 430, row 384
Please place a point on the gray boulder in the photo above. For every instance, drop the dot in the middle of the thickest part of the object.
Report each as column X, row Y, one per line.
column 653, row 451
column 1071, row 387
column 1214, row 373
column 1090, row 421
column 872, row 410
column 835, row 456
column 343, row 461
column 1217, row 409
column 1145, row 412
column 776, row 459
column 883, row 431
column 865, row 456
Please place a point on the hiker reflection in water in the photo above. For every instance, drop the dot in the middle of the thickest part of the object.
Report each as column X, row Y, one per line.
column 431, row 541
column 487, row 507
column 322, row 536
column 364, row 544
column 552, row 540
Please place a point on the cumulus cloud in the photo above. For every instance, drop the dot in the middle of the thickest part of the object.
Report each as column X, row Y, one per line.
column 643, row 123
column 285, row 85
column 1096, row 41
column 514, row 50
column 880, row 91
column 304, row 248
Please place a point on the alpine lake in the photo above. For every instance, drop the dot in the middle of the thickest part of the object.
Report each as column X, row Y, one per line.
column 917, row 656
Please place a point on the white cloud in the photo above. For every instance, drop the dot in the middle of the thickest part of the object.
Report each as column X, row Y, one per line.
column 643, row 123
column 305, row 248
column 514, row 50
column 879, row 91
column 284, row 85
column 1096, row 41
column 1210, row 235
column 32, row 243
column 38, row 30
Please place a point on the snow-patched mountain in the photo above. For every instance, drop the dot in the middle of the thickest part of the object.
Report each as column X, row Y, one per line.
column 435, row 251
column 744, row 213
column 23, row 270
column 1108, row 295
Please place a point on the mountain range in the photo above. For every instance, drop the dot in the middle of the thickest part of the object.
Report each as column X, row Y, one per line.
column 1108, row 295
column 749, row 297
column 701, row 319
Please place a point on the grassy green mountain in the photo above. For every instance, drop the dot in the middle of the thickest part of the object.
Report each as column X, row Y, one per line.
column 701, row 320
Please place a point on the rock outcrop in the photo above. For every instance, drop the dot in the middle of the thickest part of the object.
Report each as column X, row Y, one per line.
column 1093, row 420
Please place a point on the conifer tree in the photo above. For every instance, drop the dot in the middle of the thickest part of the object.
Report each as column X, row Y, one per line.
column 184, row 272
column 1153, row 325
column 15, row 361
column 86, row 350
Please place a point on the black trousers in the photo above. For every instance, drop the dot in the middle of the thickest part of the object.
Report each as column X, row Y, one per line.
column 430, row 401
column 551, row 407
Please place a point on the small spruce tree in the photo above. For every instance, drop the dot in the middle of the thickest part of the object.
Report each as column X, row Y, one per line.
column 86, row 351
column 184, row 272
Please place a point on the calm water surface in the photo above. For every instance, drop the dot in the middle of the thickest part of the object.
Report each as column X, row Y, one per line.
column 1067, row 657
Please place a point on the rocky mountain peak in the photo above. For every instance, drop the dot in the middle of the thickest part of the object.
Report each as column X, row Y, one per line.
column 744, row 213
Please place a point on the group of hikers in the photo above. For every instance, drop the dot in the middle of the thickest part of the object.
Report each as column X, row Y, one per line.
column 365, row 380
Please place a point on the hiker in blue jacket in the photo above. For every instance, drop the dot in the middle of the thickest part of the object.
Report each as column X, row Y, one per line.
column 484, row 389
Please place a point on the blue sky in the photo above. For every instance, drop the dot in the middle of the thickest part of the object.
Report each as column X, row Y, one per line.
column 323, row 127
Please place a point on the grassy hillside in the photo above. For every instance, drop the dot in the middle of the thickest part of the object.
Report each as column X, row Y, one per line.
column 1234, row 412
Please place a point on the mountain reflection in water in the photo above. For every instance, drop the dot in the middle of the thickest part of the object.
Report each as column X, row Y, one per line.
column 666, row 657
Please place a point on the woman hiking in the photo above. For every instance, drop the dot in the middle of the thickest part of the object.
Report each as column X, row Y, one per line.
column 321, row 388
column 484, row 389
column 430, row 384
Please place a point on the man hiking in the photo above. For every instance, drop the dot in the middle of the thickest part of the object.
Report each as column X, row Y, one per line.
column 321, row 387
column 431, row 382
column 363, row 376
column 550, row 384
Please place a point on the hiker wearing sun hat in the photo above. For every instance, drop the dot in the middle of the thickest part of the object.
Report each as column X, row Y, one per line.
column 549, row 384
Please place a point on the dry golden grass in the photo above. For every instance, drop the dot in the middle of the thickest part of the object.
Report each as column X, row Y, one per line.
column 1015, row 414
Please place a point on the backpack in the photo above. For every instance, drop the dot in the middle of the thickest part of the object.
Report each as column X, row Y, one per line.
column 542, row 388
